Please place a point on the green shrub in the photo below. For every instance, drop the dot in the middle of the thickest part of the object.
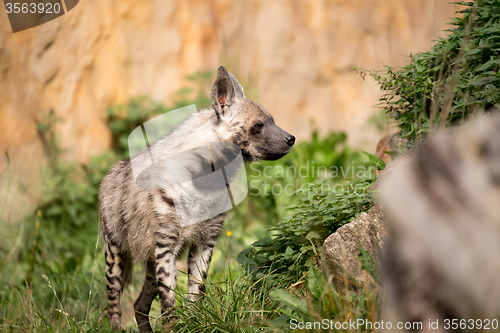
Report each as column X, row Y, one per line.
column 457, row 78
column 298, row 239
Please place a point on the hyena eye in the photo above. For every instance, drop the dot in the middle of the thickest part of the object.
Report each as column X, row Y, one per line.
column 259, row 125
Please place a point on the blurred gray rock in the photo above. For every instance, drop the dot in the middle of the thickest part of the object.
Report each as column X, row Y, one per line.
column 340, row 250
column 443, row 209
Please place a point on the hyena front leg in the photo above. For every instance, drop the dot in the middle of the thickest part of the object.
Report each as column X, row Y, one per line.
column 143, row 304
column 166, row 274
column 198, row 265
column 114, row 269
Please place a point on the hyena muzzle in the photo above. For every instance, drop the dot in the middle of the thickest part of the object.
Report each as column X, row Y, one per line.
column 139, row 224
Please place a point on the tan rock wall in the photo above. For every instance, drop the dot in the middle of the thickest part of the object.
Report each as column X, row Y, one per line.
column 297, row 54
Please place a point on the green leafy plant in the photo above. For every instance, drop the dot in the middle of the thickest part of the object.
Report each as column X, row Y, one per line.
column 299, row 238
column 454, row 80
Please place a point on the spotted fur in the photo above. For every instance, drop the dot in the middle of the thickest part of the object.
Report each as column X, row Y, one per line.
column 141, row 225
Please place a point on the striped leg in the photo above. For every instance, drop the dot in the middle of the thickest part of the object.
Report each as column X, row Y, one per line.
column 114, row 269
column 143, row 304
column 166, row 275
column 198, row 264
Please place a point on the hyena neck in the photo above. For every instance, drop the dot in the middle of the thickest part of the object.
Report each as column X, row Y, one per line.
column 192, row 148
column 198, row 130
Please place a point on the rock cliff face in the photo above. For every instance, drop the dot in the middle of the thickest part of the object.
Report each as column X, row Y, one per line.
column 297, row 56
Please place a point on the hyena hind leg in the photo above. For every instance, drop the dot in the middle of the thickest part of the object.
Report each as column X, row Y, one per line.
column 117, row 272
column 166, row 275
column 198, row 265
column 143, row 304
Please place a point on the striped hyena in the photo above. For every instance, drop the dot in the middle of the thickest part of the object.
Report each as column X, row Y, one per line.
column 141, row 224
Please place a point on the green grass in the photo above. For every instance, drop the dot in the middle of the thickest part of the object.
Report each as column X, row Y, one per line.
column 231, row 305
column 235, row 302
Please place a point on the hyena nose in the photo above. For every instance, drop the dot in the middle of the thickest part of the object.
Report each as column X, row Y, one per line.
column 290, row 140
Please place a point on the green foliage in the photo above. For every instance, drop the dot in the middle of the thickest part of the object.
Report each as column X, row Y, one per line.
column 375, row 161
column 299, row 238
column 318, row 153
column 323, row 208
column 368, row 264
column 457, row 78
column 52, row 261
column 242, row 305
column 69, row 205
column 320, row 302
column 123, row 119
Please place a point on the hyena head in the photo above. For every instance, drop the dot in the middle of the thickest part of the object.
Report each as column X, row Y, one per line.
column 246, row 123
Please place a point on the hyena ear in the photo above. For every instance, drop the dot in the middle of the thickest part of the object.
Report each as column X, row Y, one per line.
column 238, row 89
column 224, row 91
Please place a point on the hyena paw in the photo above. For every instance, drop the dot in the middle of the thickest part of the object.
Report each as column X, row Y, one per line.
column 116, row 324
